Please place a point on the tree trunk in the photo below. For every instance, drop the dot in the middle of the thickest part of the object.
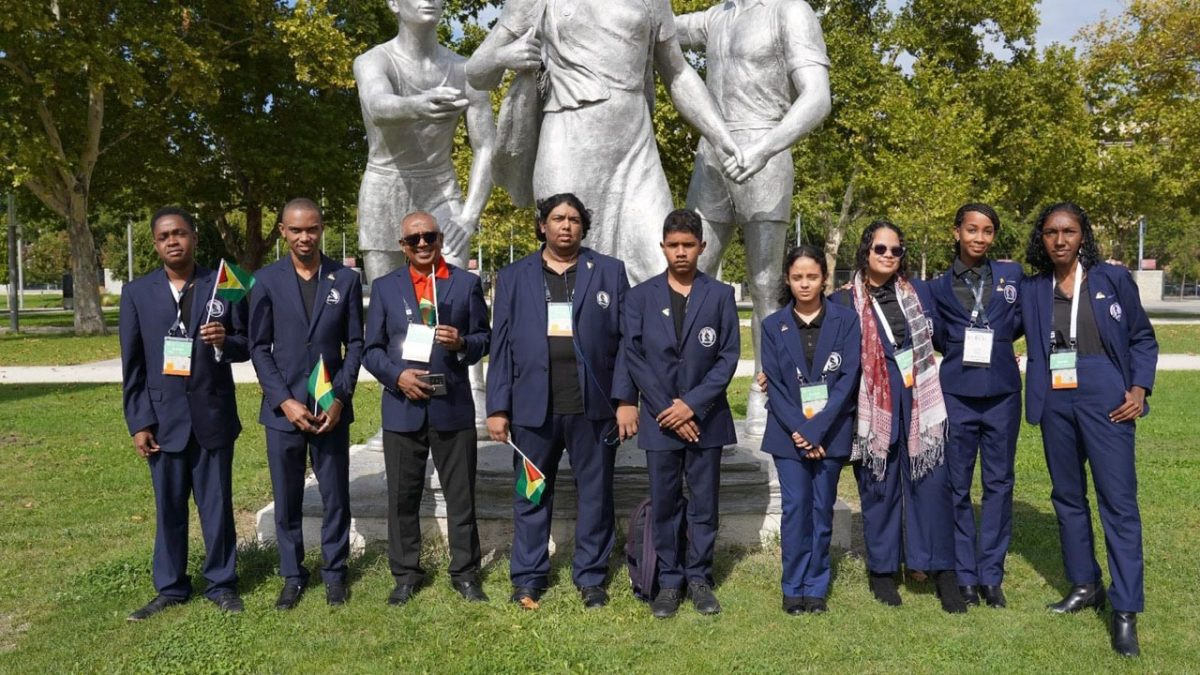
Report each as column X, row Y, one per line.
column 252, row 253
column 836, row 230
column 89, row 318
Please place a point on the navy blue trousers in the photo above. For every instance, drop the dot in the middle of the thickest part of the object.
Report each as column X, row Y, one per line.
column 808, row 489
column 592, row 465
column 1075, row 432
column 288, row 453
column 668, row 469
column 984, row 428
column 205, row 475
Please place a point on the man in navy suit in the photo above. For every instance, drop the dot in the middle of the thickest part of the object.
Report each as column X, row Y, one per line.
column 556, row 354
column 181, row 409
column 427, row 324
column 306, row 308
column 682, row 344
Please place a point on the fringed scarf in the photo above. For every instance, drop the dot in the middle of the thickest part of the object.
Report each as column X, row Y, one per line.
column 927, row 426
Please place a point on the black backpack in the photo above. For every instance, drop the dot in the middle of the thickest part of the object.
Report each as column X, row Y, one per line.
column 640, row 558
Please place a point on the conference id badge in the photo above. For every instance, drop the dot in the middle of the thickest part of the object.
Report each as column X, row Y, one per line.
column 1062, row 370
column 977, row 347
column 177, row 356
column 813, row 398
column 904, row 361
column 418, row 343
column 558, row 319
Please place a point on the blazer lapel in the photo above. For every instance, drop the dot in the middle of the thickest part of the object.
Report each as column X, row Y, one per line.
column 944, row 287
column 1098, row 284
column 790, row 336
column 1044, row 297
column 324, row 284
column 444, row 287
column 695, row 303
column 533, row 283
column 202, row 291
column 830, row 325
column 408, row 295
column 583, row 279
column 663, row 294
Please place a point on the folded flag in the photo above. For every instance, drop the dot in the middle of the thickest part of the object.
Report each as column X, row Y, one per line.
column 233, row 282
column 531, row 482
column 320, row 387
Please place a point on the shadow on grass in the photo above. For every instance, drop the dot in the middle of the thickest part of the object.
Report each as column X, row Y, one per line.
column 1035, row 538
column 17, row 392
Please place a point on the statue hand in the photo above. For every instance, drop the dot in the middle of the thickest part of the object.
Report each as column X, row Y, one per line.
column 755, row 158
column 524, row 53
column 439, row 103
column 456, row 234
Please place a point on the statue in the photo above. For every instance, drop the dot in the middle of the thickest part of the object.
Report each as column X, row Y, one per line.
column 413, row 92
column 768, row 71
column 596, row 138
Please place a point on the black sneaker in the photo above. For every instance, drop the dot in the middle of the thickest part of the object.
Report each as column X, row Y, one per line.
column 666, row 603
column 593, row 596
column 158, row 604
column 289, row 596
column 336, row 593
column 527, row 597
column 795, row 605
column 703, row 599
column 228, row 601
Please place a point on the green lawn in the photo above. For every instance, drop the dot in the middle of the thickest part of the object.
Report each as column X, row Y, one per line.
column 77, row 525
column 56, row 349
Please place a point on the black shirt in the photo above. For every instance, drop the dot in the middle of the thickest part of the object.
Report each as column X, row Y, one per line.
column 566, row 397
column 893, row 313
column 308, row 292
column 966, row 279
column 1087, row 338
column 809, row 334
column 678, row 309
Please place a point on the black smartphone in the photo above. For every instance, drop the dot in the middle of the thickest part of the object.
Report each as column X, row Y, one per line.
column 438, row 380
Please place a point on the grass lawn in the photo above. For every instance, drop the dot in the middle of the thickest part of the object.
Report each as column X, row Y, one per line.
column 77, row 526
column 56, row 349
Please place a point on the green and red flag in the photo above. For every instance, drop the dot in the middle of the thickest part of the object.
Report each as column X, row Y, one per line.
column 531, row 482
column 320, row 387
column 233, row 282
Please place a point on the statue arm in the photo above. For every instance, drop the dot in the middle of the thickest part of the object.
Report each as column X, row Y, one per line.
column 511, row 45
column 691, row 97
column 481, row 130
column 383, row 107
column 484, row 68
column 810, row 108
column 691, row 30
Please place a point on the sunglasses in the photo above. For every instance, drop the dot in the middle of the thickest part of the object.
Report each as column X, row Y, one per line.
column 414, row 240
column 880, row 249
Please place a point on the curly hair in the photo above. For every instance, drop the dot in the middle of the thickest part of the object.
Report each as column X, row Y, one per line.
column 545, row 206
column 868, row 238
column 803, row 251
column 1035, row 251
column 975, row 207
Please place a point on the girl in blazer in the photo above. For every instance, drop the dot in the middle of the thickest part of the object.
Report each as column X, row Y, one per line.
column 811, row 360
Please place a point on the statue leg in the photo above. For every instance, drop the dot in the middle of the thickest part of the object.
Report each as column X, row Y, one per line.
column 765, row 242
column 379, row 263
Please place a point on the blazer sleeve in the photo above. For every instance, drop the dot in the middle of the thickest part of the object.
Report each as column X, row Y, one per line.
column 500, row 370
column 640, row 372
column 780, row 401
column 376, row 339
column 1143, row 345
column 346, row 380
column 139, row 413
column 623, row 388
column 262, row 337
column 479, row 335
column 701, row 397
column 844, row 388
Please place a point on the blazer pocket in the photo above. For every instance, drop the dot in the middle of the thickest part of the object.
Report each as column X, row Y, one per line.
column 155, row 394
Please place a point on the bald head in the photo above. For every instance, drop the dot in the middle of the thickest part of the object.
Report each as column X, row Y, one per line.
column 418, row 221
column 302, row 204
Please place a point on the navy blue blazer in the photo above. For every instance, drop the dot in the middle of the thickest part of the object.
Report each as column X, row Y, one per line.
column 1124, row 329
column 175, row 407
column 285, row 344
column 393, row 307
column 699, row 373
column 896, row 382
column 1003, row 311
column 518, row 380
column 836, row 361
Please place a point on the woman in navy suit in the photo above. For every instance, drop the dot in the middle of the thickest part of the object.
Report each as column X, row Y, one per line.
column 810, row 357
column 900, row 423
column 1092, row 356
column 978, row 317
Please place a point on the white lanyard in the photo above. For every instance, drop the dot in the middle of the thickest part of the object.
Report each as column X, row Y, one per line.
column 1075, row 301
column 977, row 291
column 433, row 282
column 882, row 319
column 178, row 295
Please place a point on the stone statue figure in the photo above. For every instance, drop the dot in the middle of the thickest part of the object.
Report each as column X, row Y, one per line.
column 768, row 71
column 413, row 92
column 596, row 137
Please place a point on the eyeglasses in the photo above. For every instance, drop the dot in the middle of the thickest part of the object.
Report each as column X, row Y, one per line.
column 880, row 249
column 414, row 240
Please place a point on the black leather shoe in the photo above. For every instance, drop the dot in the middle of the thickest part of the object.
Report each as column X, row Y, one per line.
column 1124, row 634
column 795, row 605
column 336, row 593
column 945, row 582
column 703, row 599
column 883, row 587
column 666, row 603
column 289, row 596
column 158, row 604
column 817, row 606
column 229, row 601
column 593, row 596
column 993, row 596
column 470, row 590
column 1080, row 597
column 526, row 596
column 969, row 594
column 401, row 594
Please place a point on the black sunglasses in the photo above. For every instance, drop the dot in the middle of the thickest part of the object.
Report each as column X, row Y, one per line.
column 880, row 249
column 415, row 240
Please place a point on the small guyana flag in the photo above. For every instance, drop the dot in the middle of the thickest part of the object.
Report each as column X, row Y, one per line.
column 233, row 282
column 531, row 482
column 320, row 387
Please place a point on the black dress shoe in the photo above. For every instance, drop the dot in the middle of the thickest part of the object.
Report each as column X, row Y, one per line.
column 1124, row 634
column 526, row 596
column 817, row 606
column 593, row 596
column 228, row 601
column 470, row 590
column 666, row 603
column 969, row 594
column 336, row 593
column 289, row 596
column 401, row 594
column 1080, row 597
column 945, row 582
column 703, row 599
column 158, row 604
column 993, row 596
column 883, row 587
column 795, row 605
